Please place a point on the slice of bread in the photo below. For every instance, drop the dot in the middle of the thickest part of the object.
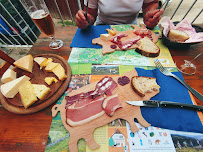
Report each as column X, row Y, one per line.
column 142, row 85
column 147, row 48
column 27, row 94
column 25, row 63
column 41, row 91
column 178, row 36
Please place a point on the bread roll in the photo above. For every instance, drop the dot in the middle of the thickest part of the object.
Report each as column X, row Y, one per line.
column 178, row 36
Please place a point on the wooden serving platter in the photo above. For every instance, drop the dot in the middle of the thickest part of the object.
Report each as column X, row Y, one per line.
column 127, row 112
column 106, row 45
column 15, row 105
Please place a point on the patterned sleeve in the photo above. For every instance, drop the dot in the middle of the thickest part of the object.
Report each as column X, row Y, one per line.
column 148, row 1
column 92, row 3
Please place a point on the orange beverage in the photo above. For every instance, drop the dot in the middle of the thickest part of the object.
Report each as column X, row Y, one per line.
column 43, row 21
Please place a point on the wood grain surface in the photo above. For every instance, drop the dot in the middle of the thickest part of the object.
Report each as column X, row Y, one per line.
column 37, row 77
column 127, row 112
column 106, row 45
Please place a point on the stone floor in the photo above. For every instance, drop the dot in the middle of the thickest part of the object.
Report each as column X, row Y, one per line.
column 16, row 53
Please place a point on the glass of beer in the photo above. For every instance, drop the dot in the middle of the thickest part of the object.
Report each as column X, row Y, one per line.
column 41, row 16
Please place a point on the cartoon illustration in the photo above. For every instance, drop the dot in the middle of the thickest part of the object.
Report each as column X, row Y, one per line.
column 151, row 134
column 118, row 141
column 157, row 142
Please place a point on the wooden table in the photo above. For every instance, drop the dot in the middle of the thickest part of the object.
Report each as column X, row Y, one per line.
column 25, row 133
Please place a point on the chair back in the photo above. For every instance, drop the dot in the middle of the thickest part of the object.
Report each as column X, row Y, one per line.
column 8, row 62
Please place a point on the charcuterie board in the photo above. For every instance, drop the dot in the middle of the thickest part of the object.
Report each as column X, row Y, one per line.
column 106, row 45
column 15, row 105
column 127, row 112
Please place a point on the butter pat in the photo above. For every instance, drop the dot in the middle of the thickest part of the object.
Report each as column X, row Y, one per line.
column 41, row 91
column 59, row 72
column 8, row 76
column 104, row 37
column 27, row 94
column 25, row 63
column 10, row 89
column 50, row 80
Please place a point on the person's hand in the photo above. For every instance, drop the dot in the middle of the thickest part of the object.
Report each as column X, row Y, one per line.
column 151, row 18
column 81, row 20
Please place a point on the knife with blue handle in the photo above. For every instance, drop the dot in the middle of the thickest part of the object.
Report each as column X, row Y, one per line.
column 155, row 103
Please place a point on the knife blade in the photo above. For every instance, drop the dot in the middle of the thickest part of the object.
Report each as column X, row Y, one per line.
column 155, row 103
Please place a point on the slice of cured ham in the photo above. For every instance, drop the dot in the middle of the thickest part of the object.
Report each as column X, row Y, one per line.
column 110, row 104
column 106, row 85
column 117, row 37
column 143, row 33
column 84, row 107
column 128, row 43
column 83, row 113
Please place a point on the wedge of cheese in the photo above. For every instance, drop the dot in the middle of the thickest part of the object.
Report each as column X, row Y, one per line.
column 27, row 94
column 46, row 62
column 8, row 76
column 50, row 66
column 25, row 63
column 50, row 80
column 59, row 72
column 10, row 89
column 40, row 60
column 41, row 91
column 105, row 37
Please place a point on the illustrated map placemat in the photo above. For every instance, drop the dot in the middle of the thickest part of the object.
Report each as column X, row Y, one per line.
column 117, row 136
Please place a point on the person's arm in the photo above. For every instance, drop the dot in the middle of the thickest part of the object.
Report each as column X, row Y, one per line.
column 151, row 13
column 81, row 20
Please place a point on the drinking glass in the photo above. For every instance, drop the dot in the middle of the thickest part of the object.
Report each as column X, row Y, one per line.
column 186, row 66
column 40, row 15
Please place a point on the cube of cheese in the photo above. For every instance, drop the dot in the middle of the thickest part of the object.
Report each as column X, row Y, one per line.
column 50, row 66
column 8, row 76
column 25, row 63
column 112, row 32
column 10, row 89
column 27, row 94
column 59, row 72
column 41, row 91
column 49, row 80
column 104, row 37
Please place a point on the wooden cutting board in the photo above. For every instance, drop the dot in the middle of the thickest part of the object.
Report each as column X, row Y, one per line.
column 127, row 112
column 106, row 45
column 37, row 77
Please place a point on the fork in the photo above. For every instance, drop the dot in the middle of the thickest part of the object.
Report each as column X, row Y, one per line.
column 168, row 73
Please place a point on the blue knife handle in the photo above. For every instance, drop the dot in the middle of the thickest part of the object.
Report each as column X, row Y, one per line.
column 180, row 105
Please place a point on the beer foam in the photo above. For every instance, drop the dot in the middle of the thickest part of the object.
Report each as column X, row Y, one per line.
column 39, row 14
